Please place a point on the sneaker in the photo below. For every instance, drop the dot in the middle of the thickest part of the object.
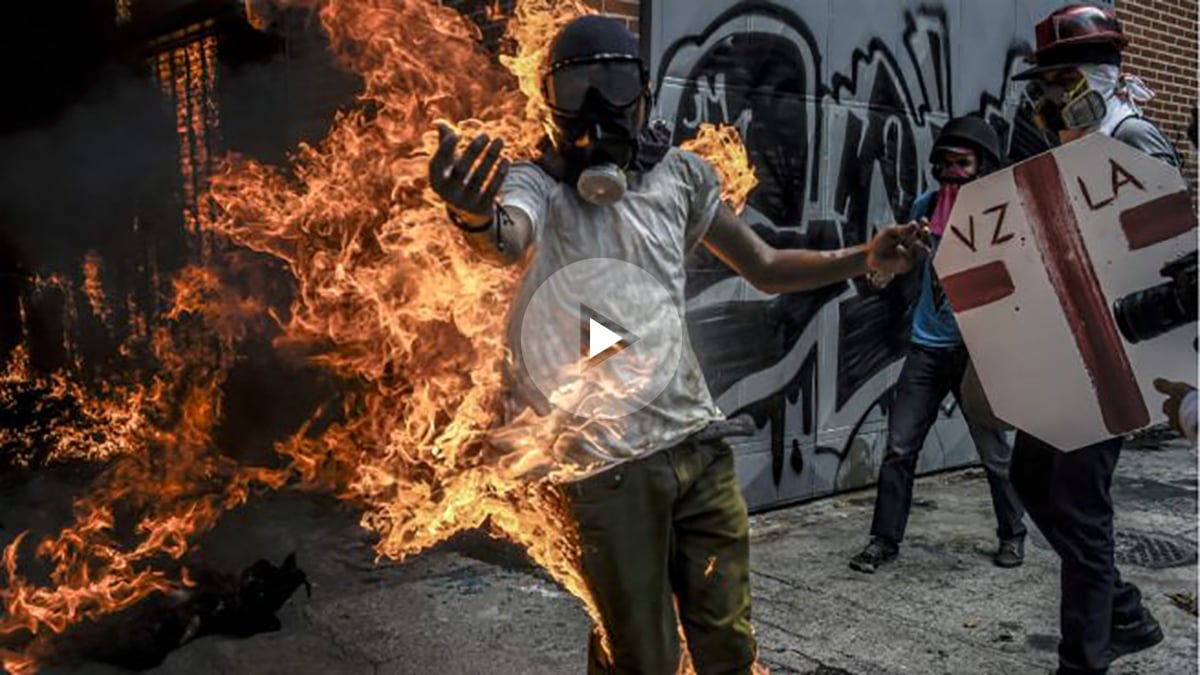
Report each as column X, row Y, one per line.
column 1011, row 553
column 875, row 554
column 1132, row 637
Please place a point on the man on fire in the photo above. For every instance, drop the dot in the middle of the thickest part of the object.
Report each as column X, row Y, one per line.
column 662, row 522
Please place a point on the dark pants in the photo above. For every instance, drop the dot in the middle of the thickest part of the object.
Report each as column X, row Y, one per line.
column 928, row 375
column 1067, row 495
column 664, row 531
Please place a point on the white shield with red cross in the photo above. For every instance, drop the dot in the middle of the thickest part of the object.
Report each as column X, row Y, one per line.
column 1032, row 261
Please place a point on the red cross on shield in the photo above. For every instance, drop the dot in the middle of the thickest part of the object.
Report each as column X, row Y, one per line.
column 1032, row 261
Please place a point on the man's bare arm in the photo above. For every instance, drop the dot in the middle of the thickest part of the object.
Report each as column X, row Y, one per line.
column 773, row 270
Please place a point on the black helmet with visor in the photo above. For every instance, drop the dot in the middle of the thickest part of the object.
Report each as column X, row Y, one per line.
column 595, row 84
column 594, row 61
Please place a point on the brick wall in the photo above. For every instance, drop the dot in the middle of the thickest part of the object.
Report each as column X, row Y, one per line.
column 625, row 9
column 1163, row 53
column 480, row 10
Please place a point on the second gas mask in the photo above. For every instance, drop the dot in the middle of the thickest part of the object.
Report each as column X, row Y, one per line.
column 1057, row 108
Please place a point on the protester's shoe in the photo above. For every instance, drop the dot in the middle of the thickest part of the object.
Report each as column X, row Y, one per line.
column 1011, row 553
column 1134, row 636
column 875, row 554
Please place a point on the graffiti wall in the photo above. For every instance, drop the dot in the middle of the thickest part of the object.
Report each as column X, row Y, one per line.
column 838, row 104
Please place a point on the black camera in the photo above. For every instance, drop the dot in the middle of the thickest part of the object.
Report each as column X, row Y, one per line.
column 1151, row 312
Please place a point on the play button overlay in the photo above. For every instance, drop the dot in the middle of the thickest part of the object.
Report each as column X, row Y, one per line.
column 600, row 338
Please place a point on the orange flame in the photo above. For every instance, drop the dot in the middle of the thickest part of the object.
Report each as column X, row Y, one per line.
column 257, row 15
column 100, row 427
column 123, row 11
column 391, row 297
column 722, row 146
column 188, row 75
column 93, row 287
column 164, row 472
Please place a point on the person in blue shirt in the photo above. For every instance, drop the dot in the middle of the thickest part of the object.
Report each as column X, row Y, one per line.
column 966, row 148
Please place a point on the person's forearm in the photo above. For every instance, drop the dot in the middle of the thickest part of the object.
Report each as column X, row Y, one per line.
column 797, row 270
column 772, row 270
column 503, row 241
column 493, row 250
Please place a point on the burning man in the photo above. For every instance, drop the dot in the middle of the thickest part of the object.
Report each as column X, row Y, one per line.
column 966, row 149
column 660, row 515
column 1080, row 90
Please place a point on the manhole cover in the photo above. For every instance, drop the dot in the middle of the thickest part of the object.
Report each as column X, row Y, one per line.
column 1151, row 550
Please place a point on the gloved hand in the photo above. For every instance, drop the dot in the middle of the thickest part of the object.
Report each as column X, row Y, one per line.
column 465, row 186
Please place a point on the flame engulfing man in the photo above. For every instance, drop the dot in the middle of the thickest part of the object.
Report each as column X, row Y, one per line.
column 1080, row 90
column 660, row 515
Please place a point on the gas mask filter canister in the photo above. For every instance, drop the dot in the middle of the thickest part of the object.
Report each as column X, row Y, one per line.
column 602, row 184
column 1080, row 107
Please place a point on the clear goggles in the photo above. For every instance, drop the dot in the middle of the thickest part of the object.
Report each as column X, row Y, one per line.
column 619, row 80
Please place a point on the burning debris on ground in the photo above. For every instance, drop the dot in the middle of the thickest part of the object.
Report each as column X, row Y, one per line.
column 234, row 605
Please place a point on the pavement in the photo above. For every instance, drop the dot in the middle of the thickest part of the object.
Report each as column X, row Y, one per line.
column 475, row 605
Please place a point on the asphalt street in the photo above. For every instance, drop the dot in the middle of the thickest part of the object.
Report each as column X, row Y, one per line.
column 477, row 606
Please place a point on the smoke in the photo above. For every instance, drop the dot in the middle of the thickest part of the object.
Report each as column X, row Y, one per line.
column 97, row 176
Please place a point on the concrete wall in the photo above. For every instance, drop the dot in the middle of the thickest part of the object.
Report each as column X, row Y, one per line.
column 838, row 103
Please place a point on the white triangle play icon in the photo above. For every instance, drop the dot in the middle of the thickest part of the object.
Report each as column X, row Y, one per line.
column 600, row 338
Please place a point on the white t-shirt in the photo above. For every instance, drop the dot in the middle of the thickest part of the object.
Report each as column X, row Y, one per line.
column 664, row 214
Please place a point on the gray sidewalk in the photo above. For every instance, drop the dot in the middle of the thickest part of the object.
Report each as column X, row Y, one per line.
column 474, row 606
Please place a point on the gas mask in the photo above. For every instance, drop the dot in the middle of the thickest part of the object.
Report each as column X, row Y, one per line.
column 1057, row 108
column 597, row 122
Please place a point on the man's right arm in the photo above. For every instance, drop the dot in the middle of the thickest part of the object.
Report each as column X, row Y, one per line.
column 509, row 236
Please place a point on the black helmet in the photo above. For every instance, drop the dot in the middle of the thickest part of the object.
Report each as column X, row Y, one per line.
column 974, row 132
column 594, row 55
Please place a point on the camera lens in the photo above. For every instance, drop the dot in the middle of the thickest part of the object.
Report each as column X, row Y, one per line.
column 1150, row 313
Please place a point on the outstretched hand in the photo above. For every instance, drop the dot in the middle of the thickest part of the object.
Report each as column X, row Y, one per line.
column 468, row 183
column 897, row 248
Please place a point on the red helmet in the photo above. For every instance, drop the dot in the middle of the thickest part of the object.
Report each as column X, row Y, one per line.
column 1076, row 35
column 1080, row 24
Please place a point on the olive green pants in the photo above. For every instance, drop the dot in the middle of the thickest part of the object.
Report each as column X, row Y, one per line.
column 665, row 529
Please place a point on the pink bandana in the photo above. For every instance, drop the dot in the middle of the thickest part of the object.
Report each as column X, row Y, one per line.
column 941, row 212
